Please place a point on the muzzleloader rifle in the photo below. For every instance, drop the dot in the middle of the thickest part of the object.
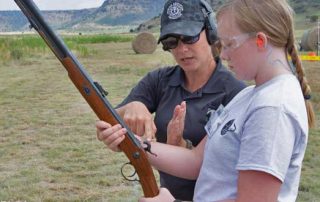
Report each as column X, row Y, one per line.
column 94, row 94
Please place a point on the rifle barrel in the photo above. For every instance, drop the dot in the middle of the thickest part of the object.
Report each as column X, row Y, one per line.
column 93, row 94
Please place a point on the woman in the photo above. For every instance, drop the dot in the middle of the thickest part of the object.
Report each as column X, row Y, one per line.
column 255, row 145
column 198, row 78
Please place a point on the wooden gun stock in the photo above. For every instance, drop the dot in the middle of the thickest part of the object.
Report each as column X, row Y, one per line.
column 94, row 95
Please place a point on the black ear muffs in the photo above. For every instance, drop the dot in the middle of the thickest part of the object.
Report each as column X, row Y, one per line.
column 210, row 23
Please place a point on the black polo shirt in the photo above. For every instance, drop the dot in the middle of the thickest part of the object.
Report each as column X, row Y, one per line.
column 162, row 89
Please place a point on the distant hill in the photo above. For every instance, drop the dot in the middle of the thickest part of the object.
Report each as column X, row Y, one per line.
column 12, row 20
column 144, row 14
column 153, row 24
column 111, row 13
column 304, row 10
column 16, row 21
column 306, row 6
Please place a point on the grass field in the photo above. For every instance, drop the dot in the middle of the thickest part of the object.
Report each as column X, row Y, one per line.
column 48, row 146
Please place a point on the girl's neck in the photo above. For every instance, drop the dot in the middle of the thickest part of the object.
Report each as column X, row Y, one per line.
column 275, row 63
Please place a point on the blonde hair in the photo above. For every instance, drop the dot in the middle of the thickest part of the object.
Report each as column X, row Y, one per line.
column 216, row 49
column 275, row 19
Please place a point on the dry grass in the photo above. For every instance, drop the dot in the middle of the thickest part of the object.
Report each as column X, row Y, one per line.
column 49, row 150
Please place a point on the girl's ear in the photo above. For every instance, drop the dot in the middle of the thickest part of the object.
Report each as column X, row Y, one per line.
column 261, row 40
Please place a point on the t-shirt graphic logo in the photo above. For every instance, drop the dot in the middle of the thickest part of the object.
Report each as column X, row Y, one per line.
column 230, row 126
column 174, row 11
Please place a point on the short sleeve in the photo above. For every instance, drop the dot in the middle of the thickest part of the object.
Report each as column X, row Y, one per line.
column 145, row 91
column 267, row 142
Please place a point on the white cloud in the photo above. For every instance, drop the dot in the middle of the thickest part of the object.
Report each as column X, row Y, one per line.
column 54, row 4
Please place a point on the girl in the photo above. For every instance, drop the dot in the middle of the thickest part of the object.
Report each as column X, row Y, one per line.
column 255, row 145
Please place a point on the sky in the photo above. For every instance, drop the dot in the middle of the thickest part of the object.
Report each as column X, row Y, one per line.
column 54, row 4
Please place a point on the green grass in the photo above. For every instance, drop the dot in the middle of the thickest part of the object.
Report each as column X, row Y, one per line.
column 19, row 47
column 102, row 38
column 302, row 17
column 310, row 183
column 48, row 145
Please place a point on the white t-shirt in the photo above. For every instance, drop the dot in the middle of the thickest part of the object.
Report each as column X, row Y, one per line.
column 263, row 128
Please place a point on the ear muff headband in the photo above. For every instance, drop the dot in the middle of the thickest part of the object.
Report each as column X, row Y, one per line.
column 211, row 27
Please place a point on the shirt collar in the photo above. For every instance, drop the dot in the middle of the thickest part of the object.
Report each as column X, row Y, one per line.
column 177, row 77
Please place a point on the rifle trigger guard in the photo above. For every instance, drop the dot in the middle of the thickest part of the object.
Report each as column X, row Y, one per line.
column 130, row 177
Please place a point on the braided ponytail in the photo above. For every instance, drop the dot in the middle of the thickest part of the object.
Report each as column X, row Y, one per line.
column 306, row 90
column 275, row 19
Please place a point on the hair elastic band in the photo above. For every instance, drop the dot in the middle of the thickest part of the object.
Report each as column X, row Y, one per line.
column 307, row 97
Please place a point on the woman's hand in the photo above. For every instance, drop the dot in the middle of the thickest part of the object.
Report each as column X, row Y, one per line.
column 176, row 126
column 139, row 119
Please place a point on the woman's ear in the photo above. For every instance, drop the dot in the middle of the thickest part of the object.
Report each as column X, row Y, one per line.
column 261, row 40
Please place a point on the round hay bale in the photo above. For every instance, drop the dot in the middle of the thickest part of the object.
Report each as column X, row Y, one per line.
column 144, row 43
column 309, row 40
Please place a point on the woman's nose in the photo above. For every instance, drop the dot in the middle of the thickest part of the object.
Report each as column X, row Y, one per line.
column 181, row 46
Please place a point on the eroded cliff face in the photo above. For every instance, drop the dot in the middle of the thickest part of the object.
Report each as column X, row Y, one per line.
column 110, row 13
column 144, row 14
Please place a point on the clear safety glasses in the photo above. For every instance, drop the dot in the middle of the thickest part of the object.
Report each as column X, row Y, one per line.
column 234, row 42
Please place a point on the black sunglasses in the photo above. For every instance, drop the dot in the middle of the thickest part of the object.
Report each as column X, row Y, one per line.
column 172, row 41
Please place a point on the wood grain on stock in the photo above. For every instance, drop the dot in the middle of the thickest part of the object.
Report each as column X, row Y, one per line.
column 133, row 151
column 141, row 164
